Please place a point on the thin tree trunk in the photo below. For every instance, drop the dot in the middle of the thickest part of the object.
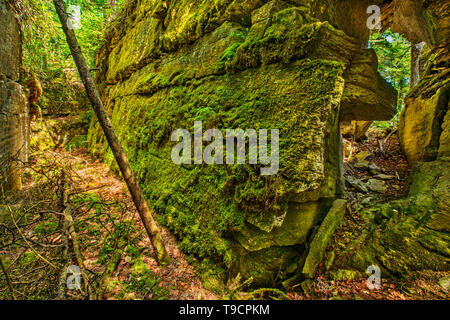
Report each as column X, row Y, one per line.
column 150, row 224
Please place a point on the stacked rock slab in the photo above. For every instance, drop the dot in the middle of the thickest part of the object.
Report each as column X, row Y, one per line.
column 13, row 107
column 237, row 64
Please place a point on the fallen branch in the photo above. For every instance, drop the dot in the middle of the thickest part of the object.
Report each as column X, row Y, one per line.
column 28, row 244
column 106, row 276
column 240, row 287
column 8, row 280
column 389, row 135
column 63, row 274
column 72, row 234
column 380, row 144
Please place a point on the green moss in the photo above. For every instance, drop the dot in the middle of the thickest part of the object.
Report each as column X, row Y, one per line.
column 409, row 234
column 202, row 204
column 142, row 282
column 47, row 227
column 210, row 207
column 343, row 274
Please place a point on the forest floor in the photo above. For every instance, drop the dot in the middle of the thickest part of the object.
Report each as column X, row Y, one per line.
column 377, row 156
column 117, row 253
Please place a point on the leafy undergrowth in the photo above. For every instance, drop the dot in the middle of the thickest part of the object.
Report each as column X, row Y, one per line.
column 116, row 252
column 137, row 275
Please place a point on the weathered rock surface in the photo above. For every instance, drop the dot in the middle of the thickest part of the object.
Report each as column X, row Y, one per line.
column 11, row 45
column 367, row 96
column 416, row 19
column 238, row 64
column 348, row 16
column 445, row 283
column 377, row 185
column 423, row 128
column 410, row 234
column 13, row 106
column 356, row 183
column 355, row 129
column 422, row 125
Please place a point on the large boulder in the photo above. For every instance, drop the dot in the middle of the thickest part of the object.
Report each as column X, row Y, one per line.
column 422, row 123
column 367, row 96
column 234, row 64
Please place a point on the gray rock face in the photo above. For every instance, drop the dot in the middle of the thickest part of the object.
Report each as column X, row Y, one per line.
column 13, row 106
column 11, row 44
column 377, row 185
column 357, row 184
column 13, row 134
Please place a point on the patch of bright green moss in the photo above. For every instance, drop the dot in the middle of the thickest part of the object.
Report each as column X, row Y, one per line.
column 201, row 204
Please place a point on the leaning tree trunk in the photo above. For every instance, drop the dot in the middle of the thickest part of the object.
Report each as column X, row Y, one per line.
column 150, row 224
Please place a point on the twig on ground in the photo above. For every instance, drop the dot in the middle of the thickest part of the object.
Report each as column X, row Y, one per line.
column 8, row 280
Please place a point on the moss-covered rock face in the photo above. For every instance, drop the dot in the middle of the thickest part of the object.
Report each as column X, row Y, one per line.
column 411, row 234
column 424, row 127
column 61, row 97
column 13, row 107
column 230, row 64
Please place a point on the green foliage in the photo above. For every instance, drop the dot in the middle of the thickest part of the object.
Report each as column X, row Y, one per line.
column 47, row 227
column 45, row 51
column 119, row 238
column 394, row 64
column 142, row 282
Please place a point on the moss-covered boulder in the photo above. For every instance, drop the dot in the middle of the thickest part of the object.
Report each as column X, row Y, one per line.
column 410, row 234
column 422, row 123
column 231, row 64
